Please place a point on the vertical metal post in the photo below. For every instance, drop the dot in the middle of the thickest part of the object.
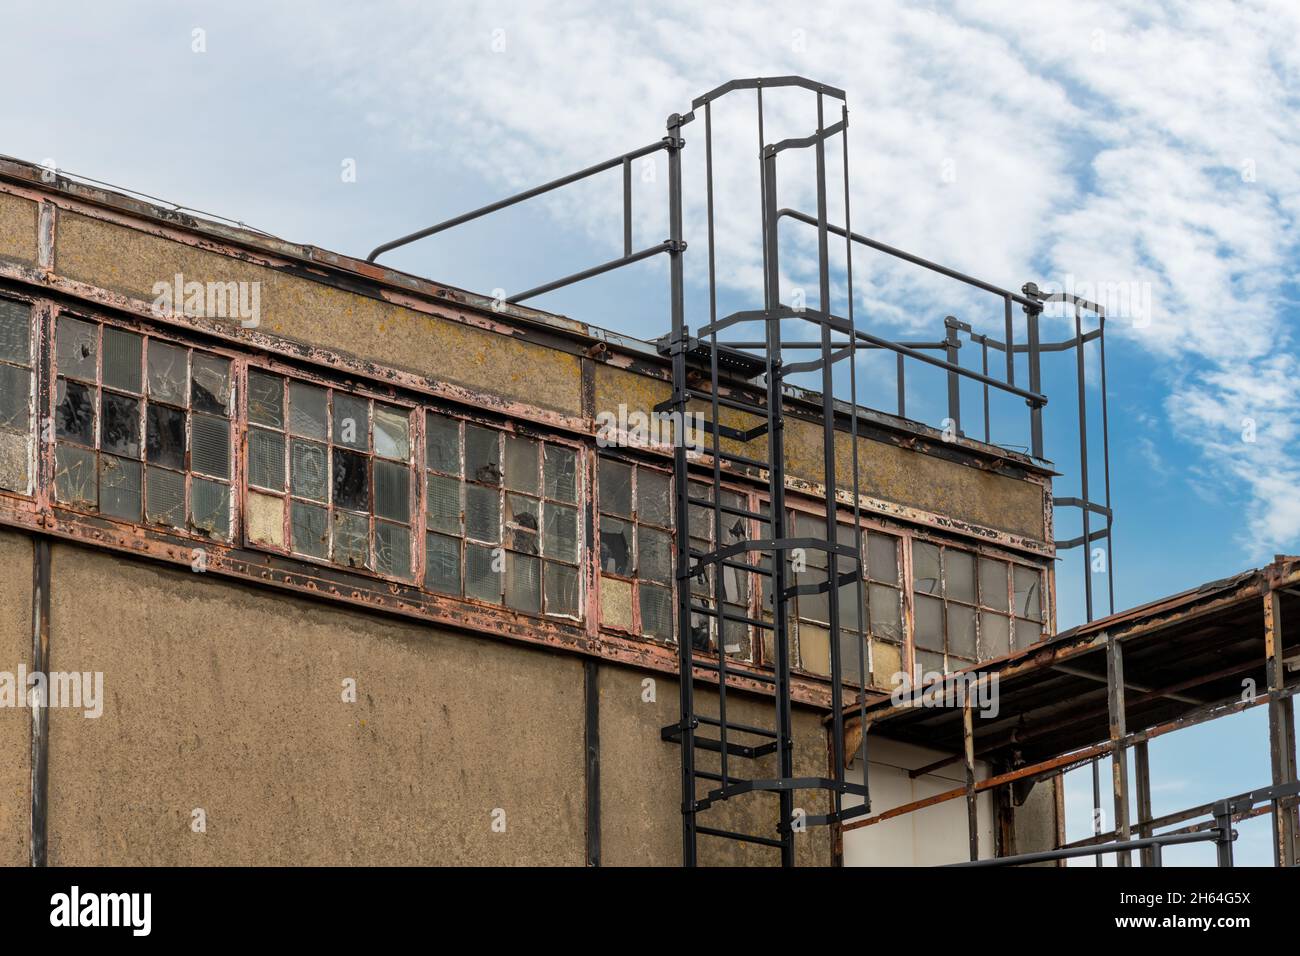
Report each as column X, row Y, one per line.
column 950, row 346
column 902, row 388
column 1083, row 463
column 1096, row 804
column 1142, row 769
column 1223, row 822
column 1281, row 729
column 627, row 207
column 1035, row 376
column 1119, row 755
column 776, row 492
column 680, row 332
column 968, row 761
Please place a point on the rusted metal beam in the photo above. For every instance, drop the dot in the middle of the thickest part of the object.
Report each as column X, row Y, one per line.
column 1142, row 761
column 1281, row 731
column 1128, row 685
column 968, row 761
column 1119, row 753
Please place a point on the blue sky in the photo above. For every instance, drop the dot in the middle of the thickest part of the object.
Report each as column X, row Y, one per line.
column 1102, row 143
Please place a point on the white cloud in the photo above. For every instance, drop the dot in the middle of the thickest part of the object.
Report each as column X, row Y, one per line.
column 1110, row 142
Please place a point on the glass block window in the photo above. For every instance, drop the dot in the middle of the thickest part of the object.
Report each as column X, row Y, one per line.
column 738, row 585
column 502, row 520
column 971, row 608
column 329, row 475
column 636, row 548
column 16, row 401
column 142, row 428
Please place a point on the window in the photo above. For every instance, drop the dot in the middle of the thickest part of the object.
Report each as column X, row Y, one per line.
column 502, row 518
column 142, row 428
column 880, row 627
column 636, row 549
column 15, row 396
column 971, row 608
column 329, row 475
column 737, row 583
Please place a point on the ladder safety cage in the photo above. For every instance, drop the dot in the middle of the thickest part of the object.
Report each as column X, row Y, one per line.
column 704, row 369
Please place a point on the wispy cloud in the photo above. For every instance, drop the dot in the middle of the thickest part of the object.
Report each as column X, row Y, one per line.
column 1108, row 143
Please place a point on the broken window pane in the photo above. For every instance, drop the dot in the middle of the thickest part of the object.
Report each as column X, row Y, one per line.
column 351, row 421
column 392, row 549
column 165, row 438
column 209, row 445
column 74, row 476
column 925, row 568
column 77, row 348
column 266, row 459
column 74, row 412
column 882, row 557
column 654, row 555
column 482, row 455
column 656, row 612
column 886, row 610
column 993, row 584
column 307, row 529
column 15, row 398
column 1028, row 598
column 393, row 491
column 122, row 360
column 523, row 582
column 210, row 386
column 14, row 468
column 307, row 410
column 351, row 480
column 1027, row 633
column 961, row 631
column 615, row 487
column 521, row 519
column 121, row 433
column 351, row 540
column 444, row 503
column 482, row 579
column 210, row 511
column 392, row 432
column 165, row 497
column 442, row 444
column 265, row 397
column 442, row 564
column 561, row 467
column 168, row 376
column 119, row 487
column 995, row 635
column 15, row 332
column 615, row 546
column 929, row 623
column 561, row 590
column 482, row 513
column 307, row 469
column 521, row 464
column 654, row 500
column 561, row 533
column 959, row 570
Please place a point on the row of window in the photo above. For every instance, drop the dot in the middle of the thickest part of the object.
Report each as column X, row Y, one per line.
column 151, row 430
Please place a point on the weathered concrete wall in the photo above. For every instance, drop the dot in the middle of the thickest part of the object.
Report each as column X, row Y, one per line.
column 886, row 472
column 228, row 699
column 640, row 778
column 1035, row 820
column 130, row 262
column 17, row 229
column 15, row 722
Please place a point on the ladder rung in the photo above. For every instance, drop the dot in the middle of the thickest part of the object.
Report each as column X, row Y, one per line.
column 750, row 675
column 738, row 618
column 744, row 728
column 729, row 509
column 742, row 837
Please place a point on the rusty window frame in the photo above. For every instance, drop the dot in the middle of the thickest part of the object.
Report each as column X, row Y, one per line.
column 635, row 521
column 506, row 534
column 148, row 334
column 287, row 495
column 980, row 605
column 28, row 435
column 750, row 606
